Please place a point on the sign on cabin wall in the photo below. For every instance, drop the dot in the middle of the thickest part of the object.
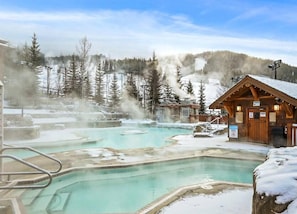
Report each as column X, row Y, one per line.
column 251, row 115
column 233, row 131
column 239, row 117
column 272, row 117
column 256, row 103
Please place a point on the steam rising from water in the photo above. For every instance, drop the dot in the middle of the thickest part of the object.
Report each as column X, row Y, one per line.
column 132, row 107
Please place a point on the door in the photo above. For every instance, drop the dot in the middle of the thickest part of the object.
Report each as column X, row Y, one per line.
column 257, row 124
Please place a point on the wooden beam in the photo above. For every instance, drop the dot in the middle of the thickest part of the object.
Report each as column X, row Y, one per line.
column 230, row 110
column 254, row 93
column 288, row 109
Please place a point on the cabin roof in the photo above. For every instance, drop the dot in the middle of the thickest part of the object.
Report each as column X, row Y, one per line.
column 286, row 87
column 283, row 90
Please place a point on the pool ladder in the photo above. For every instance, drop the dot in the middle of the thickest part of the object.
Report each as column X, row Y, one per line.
column 26, row 184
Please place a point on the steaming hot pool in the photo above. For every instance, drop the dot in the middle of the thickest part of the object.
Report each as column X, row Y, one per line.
column 128, row 189
column 118, row 138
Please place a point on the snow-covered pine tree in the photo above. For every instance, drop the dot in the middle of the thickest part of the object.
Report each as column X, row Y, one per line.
column 189, row 87
column 168, row 95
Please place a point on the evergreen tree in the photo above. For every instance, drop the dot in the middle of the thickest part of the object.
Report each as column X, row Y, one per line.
column 24, row 54
column 99, row 85
column 178, row 77
column 176, row 98
column 190, row 89
column 131, row 87
column 154, row 82
column 81, row 80
column 114, row 96
column 168, row 95
column 202, row 98
column 60, row 75
column 31, row 61
column 178, row 82
column 35, row 56
column 73, row 79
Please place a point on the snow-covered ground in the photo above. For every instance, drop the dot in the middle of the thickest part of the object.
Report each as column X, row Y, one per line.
column 226, row 202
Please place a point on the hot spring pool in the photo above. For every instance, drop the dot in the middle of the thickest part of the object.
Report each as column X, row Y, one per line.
column 128, row 189
column 117, row 138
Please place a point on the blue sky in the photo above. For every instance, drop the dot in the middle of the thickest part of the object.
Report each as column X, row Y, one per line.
column 136, row 28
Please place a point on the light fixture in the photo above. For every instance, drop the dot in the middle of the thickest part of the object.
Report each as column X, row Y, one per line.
column 276, row 107
column 238, row 108
column 274, row 66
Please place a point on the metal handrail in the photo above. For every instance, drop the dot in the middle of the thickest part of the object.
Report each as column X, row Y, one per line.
column 36, row 186
column 36, row 151
column 215, row 119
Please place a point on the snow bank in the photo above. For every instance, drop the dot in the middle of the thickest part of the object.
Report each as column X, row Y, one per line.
column 277, row 176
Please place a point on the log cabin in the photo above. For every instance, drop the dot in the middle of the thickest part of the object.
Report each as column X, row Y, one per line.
column 261, row 110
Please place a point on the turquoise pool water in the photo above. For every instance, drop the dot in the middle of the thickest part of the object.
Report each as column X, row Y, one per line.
column 128, row 189
column 133, row 137
column 117, row 138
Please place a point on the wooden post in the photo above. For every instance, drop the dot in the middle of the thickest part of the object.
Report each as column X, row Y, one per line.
column 294, row 135
column 289, row 134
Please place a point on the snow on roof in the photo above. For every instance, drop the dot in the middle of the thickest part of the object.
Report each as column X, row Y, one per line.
column 277, row 176
column 3, row 42
column 286, row 87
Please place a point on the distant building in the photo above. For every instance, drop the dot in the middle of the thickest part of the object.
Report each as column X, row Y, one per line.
column 3, row 47
column 261, row 109
column 183, row 112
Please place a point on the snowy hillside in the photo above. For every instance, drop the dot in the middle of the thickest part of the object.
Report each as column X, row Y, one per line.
column 166, row 65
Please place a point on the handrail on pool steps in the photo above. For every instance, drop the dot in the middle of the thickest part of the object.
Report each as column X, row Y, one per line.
column 19, row 184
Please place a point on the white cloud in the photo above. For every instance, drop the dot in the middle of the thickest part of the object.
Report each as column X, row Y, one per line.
column 133, row 34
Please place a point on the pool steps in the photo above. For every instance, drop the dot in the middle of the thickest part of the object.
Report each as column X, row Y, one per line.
column 31, row 196
column 58, row 202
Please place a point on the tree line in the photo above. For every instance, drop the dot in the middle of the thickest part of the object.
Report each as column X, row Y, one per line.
column 140, row 78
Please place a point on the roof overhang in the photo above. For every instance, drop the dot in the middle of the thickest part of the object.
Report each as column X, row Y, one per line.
column 251, row 83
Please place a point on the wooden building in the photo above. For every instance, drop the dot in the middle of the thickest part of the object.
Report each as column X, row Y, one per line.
column 261, row 109
column 187, row 111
